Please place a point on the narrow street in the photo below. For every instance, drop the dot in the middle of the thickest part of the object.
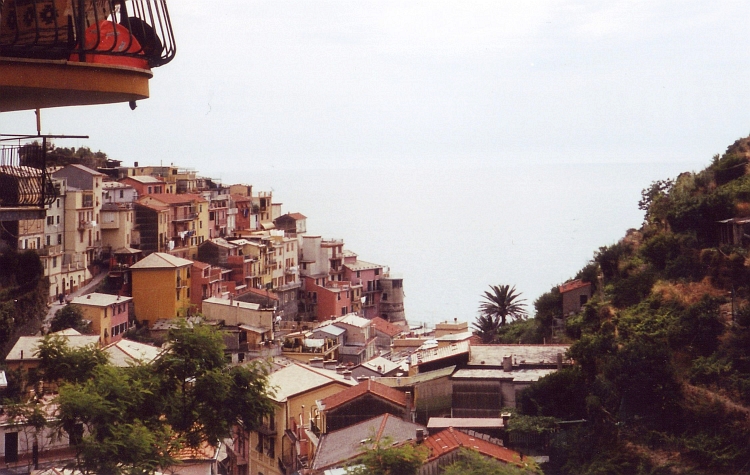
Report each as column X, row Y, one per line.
column 86, row 289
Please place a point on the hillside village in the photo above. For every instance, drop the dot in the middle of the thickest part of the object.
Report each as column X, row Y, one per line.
column 153, row 321
column 141, row 251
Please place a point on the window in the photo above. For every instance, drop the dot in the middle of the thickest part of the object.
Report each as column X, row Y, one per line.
column 122, row 193
column 343, row 311
column 50, row 220
column 49, row 239
column 54, row 262
column 377, row 271
column 583, row 299
column 385, row 296
column 57, row 218
column 358, row 274
column 59, row 239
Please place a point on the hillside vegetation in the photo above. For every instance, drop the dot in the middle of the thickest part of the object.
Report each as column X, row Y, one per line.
column 663, row 347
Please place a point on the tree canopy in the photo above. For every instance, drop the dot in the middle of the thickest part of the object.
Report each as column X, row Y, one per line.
column 70, row 316
column 500, row 304
column 134, row 419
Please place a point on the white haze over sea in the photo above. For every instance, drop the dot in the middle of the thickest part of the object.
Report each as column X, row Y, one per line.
column 453, row 232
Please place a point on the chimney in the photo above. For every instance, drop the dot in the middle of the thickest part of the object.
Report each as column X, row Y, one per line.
column 420, row 435
column 316, row 362
column 135, row 164
column 329, row 364
column 559, row 361
column 347, row 374
column 407, row 416
column 507, row 363
column 505, row 416
column 340, row 369
column 88, row 296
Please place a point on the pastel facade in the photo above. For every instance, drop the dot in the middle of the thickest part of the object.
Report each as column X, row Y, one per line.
column 188, row 221
column 277, row 447
column 161, row 287
column 110, row 315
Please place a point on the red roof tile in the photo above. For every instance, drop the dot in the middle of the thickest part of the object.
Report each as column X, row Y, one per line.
column 202, row 452
column 297, row 216
column 572, row 285
column 386, row 327
column 365, row 387
column 450, row 439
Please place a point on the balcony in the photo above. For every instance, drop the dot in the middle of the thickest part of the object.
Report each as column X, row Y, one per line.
column 25, row 187
column 50, row 250
column 56, row 53
column 84, row 224
column 185, row 217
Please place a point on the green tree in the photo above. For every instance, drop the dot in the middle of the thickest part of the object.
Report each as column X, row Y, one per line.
column 382, row 458
column 70, row 316
column 134, row 419
column 471, row 462
column 500, row 303
column 60, row 362
column 111, row 416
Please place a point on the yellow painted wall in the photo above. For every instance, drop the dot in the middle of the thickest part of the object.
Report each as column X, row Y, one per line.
column 260, row 463
column 155, row 293
column 100, row 319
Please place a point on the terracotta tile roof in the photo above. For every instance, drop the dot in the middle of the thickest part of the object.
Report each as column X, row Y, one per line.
column 202, row 452
column 451, row 439
column 297, row 216
column 237, row 197
column 386, row 327
column 365, row 387
column 572, row 285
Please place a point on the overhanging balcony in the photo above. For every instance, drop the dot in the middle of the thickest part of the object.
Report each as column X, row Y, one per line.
column 56, row 53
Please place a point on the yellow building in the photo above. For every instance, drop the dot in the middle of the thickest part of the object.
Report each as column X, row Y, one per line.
column 109, row 314
column 286, row 437
column 161, row 287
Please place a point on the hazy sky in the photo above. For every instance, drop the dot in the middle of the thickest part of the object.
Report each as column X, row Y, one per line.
column 319, row 84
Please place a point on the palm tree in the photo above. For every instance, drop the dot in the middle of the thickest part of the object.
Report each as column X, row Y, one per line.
column 500, row 303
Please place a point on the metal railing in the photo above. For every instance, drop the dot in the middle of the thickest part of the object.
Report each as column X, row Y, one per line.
column 138, row 32
column 23, row 177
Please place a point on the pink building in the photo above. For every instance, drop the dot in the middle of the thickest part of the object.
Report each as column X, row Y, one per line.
column 145, row 184
column 206, row 281
column 368, row 276
column 327, row 298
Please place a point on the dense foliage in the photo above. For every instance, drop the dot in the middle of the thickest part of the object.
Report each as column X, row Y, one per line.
column 662, row 381
column 70, row 316
column 134, row 419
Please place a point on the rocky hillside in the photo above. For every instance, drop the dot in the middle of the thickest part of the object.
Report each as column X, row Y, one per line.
column 663, row 348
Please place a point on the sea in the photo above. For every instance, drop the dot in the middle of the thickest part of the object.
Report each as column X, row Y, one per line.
column 451, row 232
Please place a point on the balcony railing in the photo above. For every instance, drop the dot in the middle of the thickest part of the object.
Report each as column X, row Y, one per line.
column 50, row 250
column 135, row 33
column 23, row 178
column 185, row 217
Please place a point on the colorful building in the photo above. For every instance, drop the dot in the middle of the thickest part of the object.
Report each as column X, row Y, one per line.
column 110, row 315
column 161, row 287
